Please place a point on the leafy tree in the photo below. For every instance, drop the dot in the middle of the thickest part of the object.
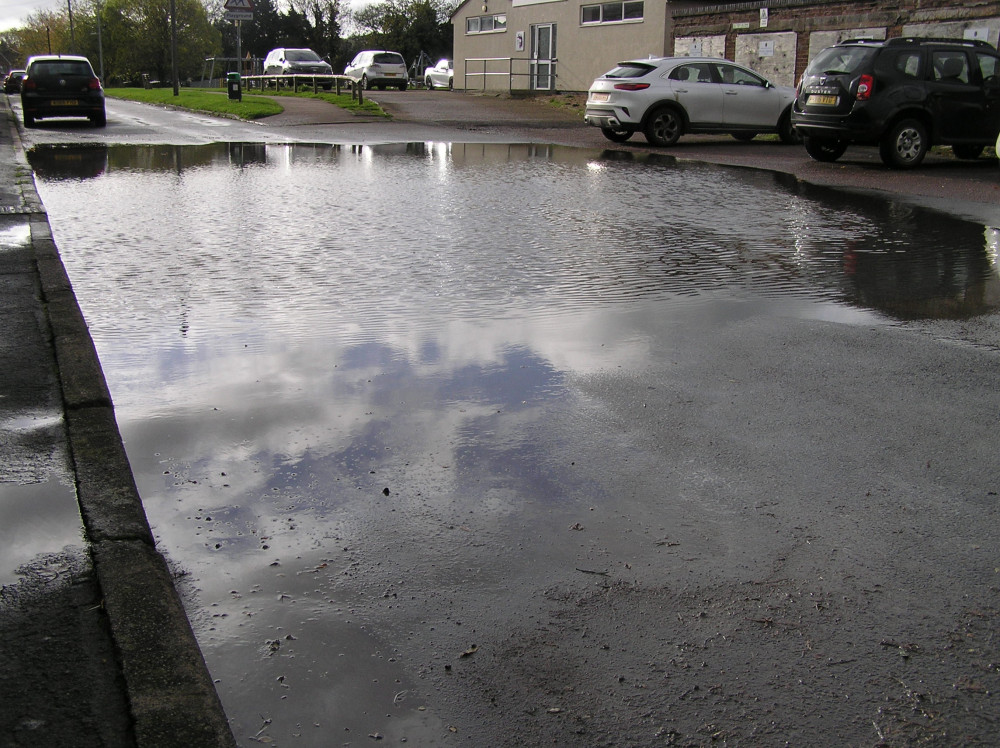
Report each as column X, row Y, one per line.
column 134, row 36
column 404, row 26
column 137, row 38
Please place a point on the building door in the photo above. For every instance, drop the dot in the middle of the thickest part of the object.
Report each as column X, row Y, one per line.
column 543, row 57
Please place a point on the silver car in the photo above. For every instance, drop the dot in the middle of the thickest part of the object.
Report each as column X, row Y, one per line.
column 667, row 97
column 378, row 68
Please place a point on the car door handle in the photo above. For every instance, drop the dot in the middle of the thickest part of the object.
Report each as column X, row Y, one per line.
column 732, row 93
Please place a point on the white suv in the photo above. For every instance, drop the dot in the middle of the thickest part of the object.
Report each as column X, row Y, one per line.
column 286, row 61
column 378, row 68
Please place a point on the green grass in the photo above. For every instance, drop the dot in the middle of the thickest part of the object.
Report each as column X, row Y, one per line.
column 217, row 101
column 344, row 101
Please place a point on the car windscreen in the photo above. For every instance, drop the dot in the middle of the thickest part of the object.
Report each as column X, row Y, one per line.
column 840, row 60
column 629, row 70
column 301, row 55
column 389, row 58
column 61, row 67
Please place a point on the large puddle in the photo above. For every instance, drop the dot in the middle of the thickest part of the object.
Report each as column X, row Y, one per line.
column 348, row 378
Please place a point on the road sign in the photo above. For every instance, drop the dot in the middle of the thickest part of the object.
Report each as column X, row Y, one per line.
column 238, row 15
column 245, row 6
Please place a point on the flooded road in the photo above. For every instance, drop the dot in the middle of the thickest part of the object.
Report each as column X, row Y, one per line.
column 483, row 444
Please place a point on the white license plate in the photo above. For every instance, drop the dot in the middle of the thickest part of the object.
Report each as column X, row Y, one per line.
column 821, row 100
column 600, row 96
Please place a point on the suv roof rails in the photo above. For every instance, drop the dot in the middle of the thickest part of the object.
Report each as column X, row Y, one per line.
column 896, row 40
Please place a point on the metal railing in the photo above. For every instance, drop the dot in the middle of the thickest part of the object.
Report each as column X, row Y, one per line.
column 337, row 82
column 504, row 67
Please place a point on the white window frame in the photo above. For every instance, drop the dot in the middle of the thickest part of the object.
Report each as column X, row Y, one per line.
column 499, row 24
column 601, row 6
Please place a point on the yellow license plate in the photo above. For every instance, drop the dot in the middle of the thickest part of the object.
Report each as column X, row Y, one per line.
column 389, row 75
column 817, row 100
column 600, row 97
column 65, row 102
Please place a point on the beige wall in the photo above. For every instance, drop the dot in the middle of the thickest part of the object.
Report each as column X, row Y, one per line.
column 778, row 44
column 583, row 52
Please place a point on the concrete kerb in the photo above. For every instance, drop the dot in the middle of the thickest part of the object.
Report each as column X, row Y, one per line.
column 172, row 698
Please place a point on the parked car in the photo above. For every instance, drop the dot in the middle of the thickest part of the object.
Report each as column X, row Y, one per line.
column 378, row 68
column 61, row 86
column 441, row 75
column 667, row 97
column 287, row 61
column 12, row 81
column 904, row 95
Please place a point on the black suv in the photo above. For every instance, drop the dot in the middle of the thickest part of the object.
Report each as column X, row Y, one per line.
column 61, row 86
column 904, row 95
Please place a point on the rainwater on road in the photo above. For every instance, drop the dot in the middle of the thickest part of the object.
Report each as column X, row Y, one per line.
column 386, row 405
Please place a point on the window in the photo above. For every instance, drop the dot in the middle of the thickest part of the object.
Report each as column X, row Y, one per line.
column 908, row 64
column 698, row 72
column 989, row 66
column 618, row 12
column 739, row 76
column 950, row 67
column 486, row 24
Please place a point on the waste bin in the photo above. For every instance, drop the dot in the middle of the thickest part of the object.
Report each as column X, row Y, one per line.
column 235, row 92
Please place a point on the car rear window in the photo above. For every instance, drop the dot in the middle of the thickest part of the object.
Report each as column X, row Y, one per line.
column 61, row 67
column 301, row 55
column 840, row 60
column 629, row 70
column 389, row 58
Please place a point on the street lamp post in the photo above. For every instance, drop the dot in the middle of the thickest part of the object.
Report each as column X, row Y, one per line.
column 72, row 35
column 173, row 47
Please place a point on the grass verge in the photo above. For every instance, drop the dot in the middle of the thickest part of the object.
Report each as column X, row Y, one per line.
column 253, row 106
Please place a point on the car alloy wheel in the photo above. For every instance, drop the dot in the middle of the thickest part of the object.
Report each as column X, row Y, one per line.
column 664, row 126
column 825, row 149
column 967, row 152
column 616, row 134
column 787, row 132
column 904, row 145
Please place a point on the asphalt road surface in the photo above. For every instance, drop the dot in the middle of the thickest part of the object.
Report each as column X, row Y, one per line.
column 800, row 540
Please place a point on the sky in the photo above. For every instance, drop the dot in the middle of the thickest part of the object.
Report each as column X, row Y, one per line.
column 13, row 12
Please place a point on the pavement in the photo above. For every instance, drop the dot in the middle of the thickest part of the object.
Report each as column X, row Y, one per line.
column 96, row 649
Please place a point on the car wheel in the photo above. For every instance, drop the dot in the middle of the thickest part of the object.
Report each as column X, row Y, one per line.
column 451, row 84
column 402, row 86
column 364, row 83
column 617, row 134
column 29, row 120
column 825, row 149
column 787, row 132
column 100, row 119
column 904, row 145
column 664, row 126
column 744, row 137
column 429, row 83
column 967, row 152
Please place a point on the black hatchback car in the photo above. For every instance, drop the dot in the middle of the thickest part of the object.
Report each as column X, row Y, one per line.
column 903, row 95
column 61, row 86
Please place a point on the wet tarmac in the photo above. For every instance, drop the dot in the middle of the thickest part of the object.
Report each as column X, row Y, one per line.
column 388, row 406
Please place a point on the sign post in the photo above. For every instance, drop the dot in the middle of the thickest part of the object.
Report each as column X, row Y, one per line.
column 239, row 11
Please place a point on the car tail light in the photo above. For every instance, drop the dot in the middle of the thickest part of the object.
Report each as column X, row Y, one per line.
column 865, row 86
column 631, row 86
column 27, row 84
column 94, row 84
